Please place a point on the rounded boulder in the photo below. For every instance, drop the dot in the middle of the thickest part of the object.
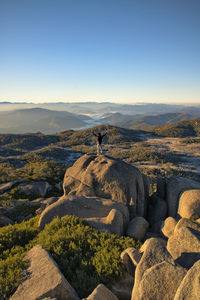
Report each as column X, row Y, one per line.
column 106, row 177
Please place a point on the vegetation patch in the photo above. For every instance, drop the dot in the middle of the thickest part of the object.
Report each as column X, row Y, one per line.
column 181, row 129
column 85, row 255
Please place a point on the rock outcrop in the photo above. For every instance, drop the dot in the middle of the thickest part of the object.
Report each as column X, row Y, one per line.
column 45, row 279
column 105, row 177
column 5, row 187
column 94, row 210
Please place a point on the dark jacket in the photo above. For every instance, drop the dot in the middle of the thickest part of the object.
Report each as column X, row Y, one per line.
column 99, row 137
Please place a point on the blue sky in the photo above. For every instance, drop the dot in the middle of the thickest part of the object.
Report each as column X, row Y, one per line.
column 100, row 50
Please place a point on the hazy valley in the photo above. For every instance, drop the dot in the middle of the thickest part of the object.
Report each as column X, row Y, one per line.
column 55, row 172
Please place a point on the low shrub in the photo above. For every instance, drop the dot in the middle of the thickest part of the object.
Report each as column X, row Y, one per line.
column 85, row 255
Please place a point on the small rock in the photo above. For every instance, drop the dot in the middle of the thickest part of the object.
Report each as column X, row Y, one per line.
column 189, row 204
column 137, row 228
column 131, row 258
column 101, row 293
column 112, row 224
column 34, row 189
column 168, row 227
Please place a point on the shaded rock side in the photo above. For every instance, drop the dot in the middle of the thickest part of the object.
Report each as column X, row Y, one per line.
column 34, row 189
column 174, row 187
column 160, row 282
column 154, row 253
column 4, row 221
column 101, row 293
column 130, row 258
column 190, row 285
column 184, row 246
column 105, row 177
column 86, row 208
column 123, row 287
column 189, row 204
column 137, row 228
column 157, row 211
column 45, row 279
column 4, row 187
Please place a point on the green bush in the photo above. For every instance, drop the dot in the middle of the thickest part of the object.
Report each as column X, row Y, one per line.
column 7, row 172
column 44, row 170
column 85, row 256
column 17, row 234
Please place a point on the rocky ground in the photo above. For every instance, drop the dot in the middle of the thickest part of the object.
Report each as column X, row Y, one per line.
column 113, row 195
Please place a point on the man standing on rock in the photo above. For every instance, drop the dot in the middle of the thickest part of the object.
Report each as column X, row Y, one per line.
column 99, row 139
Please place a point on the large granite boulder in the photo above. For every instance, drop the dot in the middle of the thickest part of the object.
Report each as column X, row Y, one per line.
column 184, row 246
column 154, row 252
column 106, row 177
column 189, row 204
column 45, row 279
column 190, row 285
column 174, row 187
column 160, row 282
column 93, row 210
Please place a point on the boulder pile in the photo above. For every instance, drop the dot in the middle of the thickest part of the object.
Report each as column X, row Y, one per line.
column 113, row 196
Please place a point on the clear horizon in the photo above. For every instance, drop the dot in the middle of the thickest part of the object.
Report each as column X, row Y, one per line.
column 119, row 51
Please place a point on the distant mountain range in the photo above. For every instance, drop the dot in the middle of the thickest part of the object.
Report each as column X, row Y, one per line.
column 147, row 122
column 50, row 118
column 39, row 119
column 104, row 107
